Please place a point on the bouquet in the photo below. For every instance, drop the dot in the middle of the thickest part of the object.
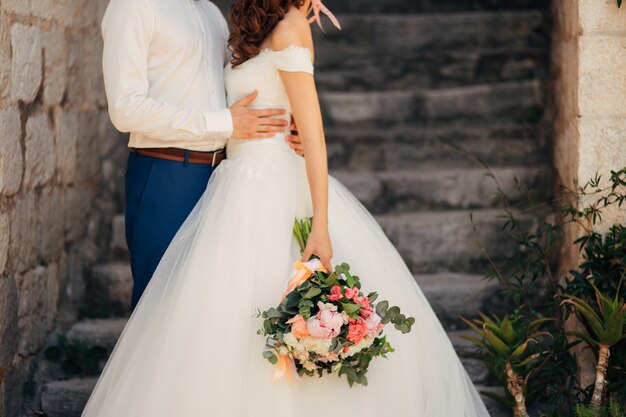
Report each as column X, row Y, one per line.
column 325, row 324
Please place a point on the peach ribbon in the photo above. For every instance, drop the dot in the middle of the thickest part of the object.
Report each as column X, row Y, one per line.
column 300, row 273
column 316, row 7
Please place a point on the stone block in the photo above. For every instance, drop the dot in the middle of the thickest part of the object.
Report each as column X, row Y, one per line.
column 602, row 76
column 600, row 17
column 26, row 69
column 66, row 398
column 5, row 234
column 101, row 332
column 77, row 206
column 38, row 295
column 118, row 235
column 88, row 166
column 50, row 223
column 55, row 65
column 66, row 138
column 23, row 250
column 19, row 7
column 5, row 58
column 110, row 287
column 11, row 161
column 8, row 320
column 39, row 153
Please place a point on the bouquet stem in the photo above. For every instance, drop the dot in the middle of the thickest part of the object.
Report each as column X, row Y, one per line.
column 302, row 230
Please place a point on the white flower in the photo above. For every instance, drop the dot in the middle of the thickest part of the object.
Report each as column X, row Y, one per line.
column 292, row 341
column 318, row 346
column 309, row 366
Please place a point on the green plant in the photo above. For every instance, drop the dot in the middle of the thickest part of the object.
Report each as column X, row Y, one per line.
column 532, row 288
column 505, row 345
column 613, row 410
column 75, row 357
column 605, row 328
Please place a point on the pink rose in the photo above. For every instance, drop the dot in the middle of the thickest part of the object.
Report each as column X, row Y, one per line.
column 298, row 327
column 352, row 292
column 364, row 302
column 335, row 293
column 357, row 330
column 327, row 323
column 374, row 326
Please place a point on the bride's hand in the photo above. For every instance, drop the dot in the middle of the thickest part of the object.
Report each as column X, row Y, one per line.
column 318, row 244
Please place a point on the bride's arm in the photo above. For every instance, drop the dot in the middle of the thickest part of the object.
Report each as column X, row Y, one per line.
column 305, row 106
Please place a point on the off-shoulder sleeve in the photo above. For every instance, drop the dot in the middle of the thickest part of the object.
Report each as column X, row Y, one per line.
column 294, row 58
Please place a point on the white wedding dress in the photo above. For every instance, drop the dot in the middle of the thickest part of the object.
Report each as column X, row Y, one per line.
column 190, row 349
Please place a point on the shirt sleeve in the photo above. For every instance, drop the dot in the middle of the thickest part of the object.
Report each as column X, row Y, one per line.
column 127, row 28
column 294, row 58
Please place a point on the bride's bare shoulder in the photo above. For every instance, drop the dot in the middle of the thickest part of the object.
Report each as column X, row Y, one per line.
column 293, row 29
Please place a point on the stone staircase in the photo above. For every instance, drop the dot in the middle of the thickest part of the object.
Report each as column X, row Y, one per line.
column 409, row 88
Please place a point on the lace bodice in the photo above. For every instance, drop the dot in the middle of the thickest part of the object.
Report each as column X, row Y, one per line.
column 262, row 73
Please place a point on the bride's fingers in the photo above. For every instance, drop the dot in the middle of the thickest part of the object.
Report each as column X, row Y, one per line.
column 308, row 252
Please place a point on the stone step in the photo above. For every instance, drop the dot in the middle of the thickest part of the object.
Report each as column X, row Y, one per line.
column 430, row 69
column 514, row 101
column 427, row 6
column 406, row 146
column 443, row 188
column 445, row 241
column 109, row 289
column 66, row 398
column 407, row 35
column 454, row 294
column 97, row 332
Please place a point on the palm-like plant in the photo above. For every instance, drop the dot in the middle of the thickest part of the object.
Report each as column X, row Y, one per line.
column 606, row 326
column 505, row 346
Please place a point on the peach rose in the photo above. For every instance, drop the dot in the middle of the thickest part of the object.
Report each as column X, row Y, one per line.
column 298, row 327
column 357, row 330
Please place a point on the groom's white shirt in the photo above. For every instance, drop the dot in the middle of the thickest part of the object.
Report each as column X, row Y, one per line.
column 163, row 65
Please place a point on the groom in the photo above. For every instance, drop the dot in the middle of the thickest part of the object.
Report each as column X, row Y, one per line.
column 163, row 73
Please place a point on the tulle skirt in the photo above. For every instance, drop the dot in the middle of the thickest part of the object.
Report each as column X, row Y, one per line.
column 190, row 348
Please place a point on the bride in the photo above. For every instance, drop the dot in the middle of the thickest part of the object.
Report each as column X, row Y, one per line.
column 190, row 347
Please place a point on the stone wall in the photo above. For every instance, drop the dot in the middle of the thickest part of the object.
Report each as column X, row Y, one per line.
column 589, row 90
column 60, row 174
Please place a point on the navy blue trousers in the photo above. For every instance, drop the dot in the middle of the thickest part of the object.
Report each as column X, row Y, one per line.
column 160, row 194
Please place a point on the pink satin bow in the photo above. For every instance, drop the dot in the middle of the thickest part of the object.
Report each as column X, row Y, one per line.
column 316, row 7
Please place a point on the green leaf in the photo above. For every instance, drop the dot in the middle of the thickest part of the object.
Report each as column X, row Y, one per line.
column 613, row 328
column 270, row 356
column 381, row 307
column 583, row 336
column 312, row 292
column 501, row 348
column 506, row 331
column 350, row 308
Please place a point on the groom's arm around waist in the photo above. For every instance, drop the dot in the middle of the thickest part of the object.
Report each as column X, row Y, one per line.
column 127, row 30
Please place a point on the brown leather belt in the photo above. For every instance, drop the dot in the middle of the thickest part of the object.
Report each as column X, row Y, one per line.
column 180, row 155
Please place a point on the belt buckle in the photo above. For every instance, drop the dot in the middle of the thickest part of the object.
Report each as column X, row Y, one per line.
column 214, row 158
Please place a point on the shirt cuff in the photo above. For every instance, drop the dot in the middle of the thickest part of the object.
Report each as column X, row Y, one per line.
column 219, row 123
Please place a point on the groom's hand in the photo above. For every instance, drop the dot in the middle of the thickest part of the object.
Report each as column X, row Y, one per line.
column 255, row 124
column 294, row 139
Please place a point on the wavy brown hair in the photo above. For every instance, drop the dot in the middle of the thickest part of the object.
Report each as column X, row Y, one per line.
column 252, row 22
